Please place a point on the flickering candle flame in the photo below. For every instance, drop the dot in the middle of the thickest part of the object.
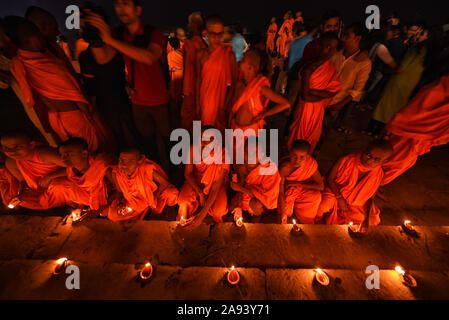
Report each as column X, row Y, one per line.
column 233, row 276
column 321, row 277
column 352, row 227
column 296, row 226
column 129, row 209
column 76, row 215
column 11, row 206
column 182, row 221
column 408, row 224
column 147, row 271
column 60, row 264
column 239, row 222
column 400, row 270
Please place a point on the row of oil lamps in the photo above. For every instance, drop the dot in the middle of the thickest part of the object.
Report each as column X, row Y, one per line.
column 233, row 276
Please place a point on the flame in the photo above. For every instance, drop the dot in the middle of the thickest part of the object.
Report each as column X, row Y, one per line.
column 400, row 270
column 129, row 209
column 10, row 206
column 147, row 264
column 406, row 222
column 294, row 221
column 319, row 271
column 61, row 260
column 232, row 268
column 351, row 223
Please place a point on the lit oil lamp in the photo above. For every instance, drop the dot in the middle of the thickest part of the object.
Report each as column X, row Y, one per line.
column 146, row 272
column 182, row 221
column 321, row 277
column 11, row 206
column 409, row 228
column 14, row 203
column 239, row 222
column 407, row 277
column 296, row 227
column 76, row 215
column 129, row 209
column 60, row 266
column 233, row 276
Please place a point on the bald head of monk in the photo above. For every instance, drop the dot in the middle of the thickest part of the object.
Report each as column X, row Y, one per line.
column 328, row 45
column 377, row 153
column 254, row 62
column 196, row 23
column 180, row 34
column 75, row 153
column 45, row 21
column 129, row 159
column 214, row 31
column 28, row 37
column 299, row 152
column 273, row 20
column 18, row 146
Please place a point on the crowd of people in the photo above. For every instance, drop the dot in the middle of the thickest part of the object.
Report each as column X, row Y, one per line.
column 106, row 110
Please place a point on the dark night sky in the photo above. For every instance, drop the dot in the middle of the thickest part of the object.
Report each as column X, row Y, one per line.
column 254, row 14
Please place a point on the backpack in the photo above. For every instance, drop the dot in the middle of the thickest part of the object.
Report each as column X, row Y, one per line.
column 142, row 41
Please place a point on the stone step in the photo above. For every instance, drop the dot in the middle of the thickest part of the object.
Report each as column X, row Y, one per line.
column 33, row 279
column 262, row 246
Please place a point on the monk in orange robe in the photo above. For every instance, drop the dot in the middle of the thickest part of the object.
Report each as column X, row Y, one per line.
column 82, row 184
column 205, row 186
column 175, row 65
column 352, row 184
column 271, row 34
column 422, row 124
column 256, row 183
column 9, row 185
column 142, row 185
column 217, row 70
column 319, row 84
column 284, row 31
column 191, row 49
column 32, row 167
column 40, row 73
column 301, row 184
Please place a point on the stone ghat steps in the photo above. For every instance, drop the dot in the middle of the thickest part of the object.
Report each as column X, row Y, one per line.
column 263, row 246
column 33, row 279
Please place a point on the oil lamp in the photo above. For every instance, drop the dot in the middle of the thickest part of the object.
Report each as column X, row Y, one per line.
column 296, row 227
column 239, row 222
column 407, row 277
column 60, row 266
column 321, row 277
column 409, row 228
column 146, row 272
column 233, row 276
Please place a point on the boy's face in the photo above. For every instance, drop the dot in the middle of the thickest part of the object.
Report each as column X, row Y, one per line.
column 17, row 148
column 215, row 34
column 73, row 156
column 374, row 157
column 350, row 39
column 298, row 157
column 128, row 162
column 246, row 68
column 329, row 48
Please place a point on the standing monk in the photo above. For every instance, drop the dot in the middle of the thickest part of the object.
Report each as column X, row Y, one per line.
column 191, row 49
column 205, row 187
column 141, row 185
column 422, row 124
column 257, row 183
column 217, row 70
column 41, row 75
column 285, row 30
column 32, row 166
column 271, row 34
column 301, row 184
column 351, row 185
column 319, row 84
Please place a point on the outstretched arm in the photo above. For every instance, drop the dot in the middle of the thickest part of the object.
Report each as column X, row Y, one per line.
column 281, row 103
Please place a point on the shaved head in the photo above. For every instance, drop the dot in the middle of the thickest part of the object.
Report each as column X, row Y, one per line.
column 132, row 151
column 44, row 20
column 214, row 20
column 17, row 145
column 301, row 145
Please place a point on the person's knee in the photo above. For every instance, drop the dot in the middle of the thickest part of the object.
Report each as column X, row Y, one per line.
column 256, row 207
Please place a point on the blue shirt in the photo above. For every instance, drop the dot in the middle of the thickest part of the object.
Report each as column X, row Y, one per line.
column 238, row 46
column 297, row 49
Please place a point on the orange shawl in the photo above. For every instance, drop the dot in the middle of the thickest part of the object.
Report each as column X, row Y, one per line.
column 215, row 78
column 9, row 186
column 309, row 115
column 191, row 48
column 207, row 174
column 264, row 187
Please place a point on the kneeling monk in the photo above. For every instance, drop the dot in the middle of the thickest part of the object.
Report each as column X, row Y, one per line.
column 32, row 166
column 82, row 184
column 205, row 186
column 141, row 185
column 257, row 185
column 301, row 184
column 351, row 185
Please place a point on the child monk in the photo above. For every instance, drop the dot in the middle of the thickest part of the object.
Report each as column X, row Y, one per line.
column 217, row 74
column 82, row 183
column 191, row 49
column 257, row 183
column 351, row 185
column 301, row 184
column 141, row 185
column 319, row 83
column 32, row 166
column 253, row 93
column 42, row 75
column 205, row 187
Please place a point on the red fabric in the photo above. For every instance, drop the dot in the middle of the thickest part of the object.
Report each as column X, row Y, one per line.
column 191, row 49
column 89, row 189
column 264, row 187
column 175, row 63
column 149, row 81
column 215, row 78
column 304, row 202
column 271, row 34
column 416, row 128
column 308, row 119
column 355, row 192
column 138, row 191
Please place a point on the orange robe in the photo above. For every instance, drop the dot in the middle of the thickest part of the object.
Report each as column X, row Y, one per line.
column 9, row 186
column 138, row 191
column 299, row 19
column 283, row 36
column 216, row 77
column 416, row 128
column 88, row 190
column 175, row 64
column 206, row 175
column 308, row 119
column 264, row 187
column 48, row 76
column 191, row 49
column 355, row 192
column 304, row 202
column 271, row 34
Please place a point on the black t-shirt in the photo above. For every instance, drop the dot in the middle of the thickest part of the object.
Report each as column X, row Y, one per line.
column 106, row 82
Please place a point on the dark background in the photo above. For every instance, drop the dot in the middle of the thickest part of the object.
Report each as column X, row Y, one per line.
column 255, row 15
